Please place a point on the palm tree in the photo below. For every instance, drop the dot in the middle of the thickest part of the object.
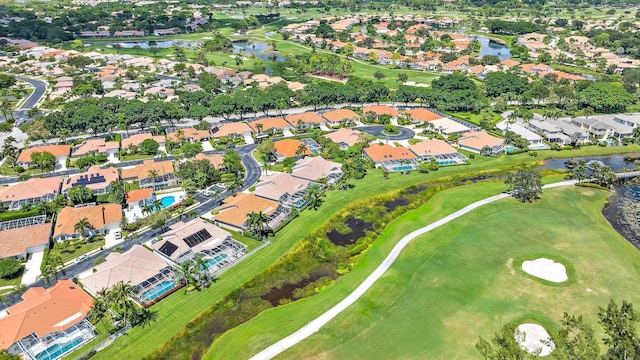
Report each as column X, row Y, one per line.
column 82, row 226
column 251, row 222
column 157, row 204
column 147, row 209
column 313, row 196
column 146, row 317
column 121, row 294
column 259, row 127
column 262, row 223
column 200, row 268
column 153, row 174
column 189, row 272
column 301, row 150
column 51, row 267
column 100, row 308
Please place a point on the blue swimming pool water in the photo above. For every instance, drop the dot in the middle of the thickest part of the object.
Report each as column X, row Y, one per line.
column 167, row 201
column 157, row 291
column 402, row 168
column 56, row 351
column 510, row 148
column 446, row 162
column 215, row 260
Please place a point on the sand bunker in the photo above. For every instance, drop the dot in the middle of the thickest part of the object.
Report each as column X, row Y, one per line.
column 546, row 269
column 528, row 337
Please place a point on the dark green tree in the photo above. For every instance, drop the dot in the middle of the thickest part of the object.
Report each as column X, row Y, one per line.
column 526, row 185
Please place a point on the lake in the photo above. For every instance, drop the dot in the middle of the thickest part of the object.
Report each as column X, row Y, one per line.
column 616, row 162
column 490, row 47
column 163, row 44
column 260, row 49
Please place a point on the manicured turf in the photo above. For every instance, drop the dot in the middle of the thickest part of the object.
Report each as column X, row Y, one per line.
column 179, row 308
column 458, row 282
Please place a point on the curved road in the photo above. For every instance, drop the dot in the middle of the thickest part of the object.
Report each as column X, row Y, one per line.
column 252, row 173
column 39, row 89
column 315, row 325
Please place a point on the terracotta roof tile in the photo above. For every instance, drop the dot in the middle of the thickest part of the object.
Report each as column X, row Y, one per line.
column 56, row 150
column 379, row 153
column 268, row 123
column 45, row 311
column 381, row 110
column 32, row 188
column 423, row 114
column 141, row 171
column 340, row 114
column 233, row 128
column 308, row 117
column 234, row 209
column 97, row 215
column 15, row 242
column 288, row 147
column 139, row 194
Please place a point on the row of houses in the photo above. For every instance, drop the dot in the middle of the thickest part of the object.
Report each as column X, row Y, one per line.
column 50, row 323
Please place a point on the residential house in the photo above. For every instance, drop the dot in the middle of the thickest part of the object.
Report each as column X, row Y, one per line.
column 32, row 191
column 103, row 219
column 379, row 110
column 150, row 173
column 418, row 115
column 602, row 127
column 97, row 179
column 48, row 323
column 232, row 130
column 390, row 157
column 305, row 120
column 135, row 140
column 61, row 152
column 535, row 140
column 138, row 199
column 289, row 148
column 284, row 188
column 97, row 147
column 317, row 169
column 128, row 33
column 552, row 132
column 189, row 134
column 216, row 160
column 340, row 117
column 19, row 242
column 344, row 137
column 162, row 32
column 477, row 140
column 150, row 275
column 270, row 126
column 235, row 209
column 439, row 150
column 186, row 240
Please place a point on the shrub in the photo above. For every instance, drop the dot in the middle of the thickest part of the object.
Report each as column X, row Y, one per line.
column 252, row 188
column 99, row 261
column 9, row 267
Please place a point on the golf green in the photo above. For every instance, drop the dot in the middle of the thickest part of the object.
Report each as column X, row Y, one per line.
column 459, row 282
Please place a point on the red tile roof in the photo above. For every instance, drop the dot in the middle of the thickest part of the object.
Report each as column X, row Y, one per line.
column 45, row 311
column 56, row 150
column 379, row 153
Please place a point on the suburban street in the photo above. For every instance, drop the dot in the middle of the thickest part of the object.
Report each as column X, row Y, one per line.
column 39, row 90
column 252, row 173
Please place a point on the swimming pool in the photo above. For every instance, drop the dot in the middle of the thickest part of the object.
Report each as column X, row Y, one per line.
column 446, row 162
column 157, row 291
column 167, row 201
column 215, row 260
column 402, row 168
column 56, row 351
column 510, row 148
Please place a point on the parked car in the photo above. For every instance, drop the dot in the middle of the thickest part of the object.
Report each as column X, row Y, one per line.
column 117, row 234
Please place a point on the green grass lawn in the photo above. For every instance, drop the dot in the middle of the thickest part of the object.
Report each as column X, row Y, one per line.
column 12, row 281
column 461, row 281
column 75, row 249
column 179, row 308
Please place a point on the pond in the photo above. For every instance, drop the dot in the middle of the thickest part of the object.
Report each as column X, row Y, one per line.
column 623, row 212
column 490, row 47
column 261, row 50
column 616, row 162
column 163, row 44
column 358, row 228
